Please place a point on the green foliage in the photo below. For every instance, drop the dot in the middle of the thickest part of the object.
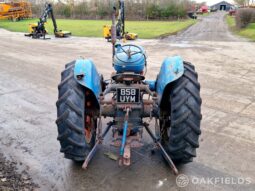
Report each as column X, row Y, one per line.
column 138, row 10
column 81, row 11
column 103, row 10
column 67, row 11
column 247, row 32
column 231, row 21
column 169, row 11
column 62, row 10
column 241, row 2
column 172, row 10
column 153, row 11
column 244, row 17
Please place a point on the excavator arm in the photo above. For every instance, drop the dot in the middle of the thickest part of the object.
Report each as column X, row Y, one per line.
column 58, row 33
column 120, row 25
column 53, row 20
column 38, row 30
column 121, row 20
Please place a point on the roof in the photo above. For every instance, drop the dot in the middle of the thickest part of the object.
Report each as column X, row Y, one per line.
column 222, row 2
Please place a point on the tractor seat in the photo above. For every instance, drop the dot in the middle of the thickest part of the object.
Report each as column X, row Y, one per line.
column 127, row 77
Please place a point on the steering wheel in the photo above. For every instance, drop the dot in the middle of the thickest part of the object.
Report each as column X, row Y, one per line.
column 129, row 52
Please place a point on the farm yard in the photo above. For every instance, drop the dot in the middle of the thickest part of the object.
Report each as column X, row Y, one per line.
column 47, row 87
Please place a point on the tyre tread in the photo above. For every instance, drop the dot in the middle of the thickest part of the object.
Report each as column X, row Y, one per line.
column 185, row 116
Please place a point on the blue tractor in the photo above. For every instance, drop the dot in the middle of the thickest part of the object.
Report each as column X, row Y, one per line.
column 172, row 99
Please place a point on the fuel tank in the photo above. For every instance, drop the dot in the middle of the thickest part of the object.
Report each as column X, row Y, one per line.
column 129, row 58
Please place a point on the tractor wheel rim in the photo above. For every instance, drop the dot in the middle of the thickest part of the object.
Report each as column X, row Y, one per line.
column 88, row 129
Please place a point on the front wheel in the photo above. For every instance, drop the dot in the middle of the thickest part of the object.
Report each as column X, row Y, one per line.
column 181, row 129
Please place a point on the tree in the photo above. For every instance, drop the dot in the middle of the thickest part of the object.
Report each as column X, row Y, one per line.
column 242, row 2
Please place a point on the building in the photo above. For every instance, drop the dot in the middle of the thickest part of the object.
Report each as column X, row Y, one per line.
column 222, row 6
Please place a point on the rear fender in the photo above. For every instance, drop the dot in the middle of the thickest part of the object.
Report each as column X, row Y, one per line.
column 171, row 70
column 86, row 74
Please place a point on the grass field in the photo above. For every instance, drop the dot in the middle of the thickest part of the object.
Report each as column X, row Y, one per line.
column 231, row 21
column 248, row 32
column 93, row 28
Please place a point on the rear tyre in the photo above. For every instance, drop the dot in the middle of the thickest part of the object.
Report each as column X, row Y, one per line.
column 76, row 141
column 181, row 129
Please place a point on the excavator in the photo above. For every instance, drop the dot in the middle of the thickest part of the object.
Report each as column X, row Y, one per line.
column 120, row 26
column 38, row 30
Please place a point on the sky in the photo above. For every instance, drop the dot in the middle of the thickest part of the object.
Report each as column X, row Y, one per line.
column 212, row 2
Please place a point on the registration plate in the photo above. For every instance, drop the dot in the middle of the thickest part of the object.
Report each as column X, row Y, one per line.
column 128, row 95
